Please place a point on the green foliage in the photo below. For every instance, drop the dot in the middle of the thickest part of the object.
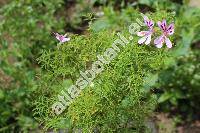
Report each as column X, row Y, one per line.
column 25, row 28
column 179, row 83
column 180, row 86
column 117, row 98
column 120, row 99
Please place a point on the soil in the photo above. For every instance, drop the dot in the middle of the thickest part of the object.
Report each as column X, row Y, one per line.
column 189, row 128
column 165, row 124
column 194, row 3
column 3, row 2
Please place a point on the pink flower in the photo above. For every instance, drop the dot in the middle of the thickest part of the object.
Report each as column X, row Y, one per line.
column 167, row 31
column 146, row 35
column 61, row 38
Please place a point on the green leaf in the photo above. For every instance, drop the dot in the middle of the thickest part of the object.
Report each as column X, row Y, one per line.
column 100, row 25
column 164, row 97
column 1, row 94
column 150, row 81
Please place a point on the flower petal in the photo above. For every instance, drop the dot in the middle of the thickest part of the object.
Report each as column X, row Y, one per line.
column 142, row 40
column 57, row 36
column 168, row 42
column 148, row 40
column 65, row 40
column 159, row 24
column 148, row 22
column 159, row 45
column 159, row 41
column 146, row 19
column 151, row 24
column 142, row 33
column 162, row 25
column 170, row 29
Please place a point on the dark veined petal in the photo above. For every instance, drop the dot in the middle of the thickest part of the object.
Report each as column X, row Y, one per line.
column 163, row 25
column 170, row 29
column 150, row 24
column 146, row 20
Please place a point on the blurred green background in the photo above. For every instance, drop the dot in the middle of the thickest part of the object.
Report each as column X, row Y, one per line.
column 25, row 31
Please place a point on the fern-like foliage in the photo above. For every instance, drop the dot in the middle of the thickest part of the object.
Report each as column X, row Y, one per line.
column 117, row 102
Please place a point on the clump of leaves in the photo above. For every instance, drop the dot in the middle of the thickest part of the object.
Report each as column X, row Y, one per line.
column 117, row 101
column 171, row 93
column 179, row 82
column 180, row 87
column 24, row 27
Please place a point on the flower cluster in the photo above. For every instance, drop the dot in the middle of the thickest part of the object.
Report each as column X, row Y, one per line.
column 61, row 38
column 146, row 35
column 166, row 31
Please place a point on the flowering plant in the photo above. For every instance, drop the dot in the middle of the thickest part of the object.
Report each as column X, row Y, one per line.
column 166, row 31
